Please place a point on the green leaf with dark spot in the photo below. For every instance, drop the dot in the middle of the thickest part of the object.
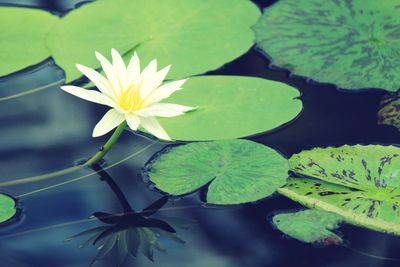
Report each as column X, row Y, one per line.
column 237, row 171
column 389, row 112
column 231, row 107
column 360, row 183
column 309, row 226
column 7, row 208
column 22, row 37
column 194, row 36
column 351, row 43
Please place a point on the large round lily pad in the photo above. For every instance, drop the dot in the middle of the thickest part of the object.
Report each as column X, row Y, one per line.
column 193, row 35
column 231, row 107
column 351, row 43
column 237, row 171
column 360, row 183
column 22, row 37
column 7, row 208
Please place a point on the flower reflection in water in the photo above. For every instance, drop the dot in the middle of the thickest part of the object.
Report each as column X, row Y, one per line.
column 129, row 232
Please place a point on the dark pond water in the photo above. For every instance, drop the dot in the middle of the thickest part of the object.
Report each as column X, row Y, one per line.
column 49, row 130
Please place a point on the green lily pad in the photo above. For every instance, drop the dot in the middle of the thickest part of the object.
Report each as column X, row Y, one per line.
column 7, row 208
column 351, row 43
column 22, row 37
column 231, row 107
column 389, row 112
column 194, row 36
column 360, row 183
column 310, row 226
column 237, row 171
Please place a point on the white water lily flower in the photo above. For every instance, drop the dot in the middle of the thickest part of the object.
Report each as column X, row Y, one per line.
column 133, row 95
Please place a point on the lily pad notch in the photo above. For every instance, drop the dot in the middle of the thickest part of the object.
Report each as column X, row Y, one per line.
column 235, row 171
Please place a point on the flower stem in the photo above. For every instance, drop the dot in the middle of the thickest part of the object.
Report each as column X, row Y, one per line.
column 107, row 146
column 92, row 160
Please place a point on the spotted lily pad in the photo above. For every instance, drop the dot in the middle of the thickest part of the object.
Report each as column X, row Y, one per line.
column 389, row 112
column 7, row 208
column 231, row 107
column 22, row 37
column 237, row 171
column 310, row 226
column 360, row 183
column 193, row 35
column 351, row 43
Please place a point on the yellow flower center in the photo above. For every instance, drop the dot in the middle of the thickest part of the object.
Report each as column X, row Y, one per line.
column 130, row 99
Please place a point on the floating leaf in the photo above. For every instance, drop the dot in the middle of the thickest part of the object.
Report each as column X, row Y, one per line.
column 237, row 171
column 231, row 107
column 309, row 226
column 360, row 183
column 389, row 112
column 7, row 208
column 351, row 43
column 22, row 37
column 193, row 35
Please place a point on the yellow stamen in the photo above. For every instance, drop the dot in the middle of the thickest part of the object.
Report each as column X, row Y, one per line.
column 130, row 99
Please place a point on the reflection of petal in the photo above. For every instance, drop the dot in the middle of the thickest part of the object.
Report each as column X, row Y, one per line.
column 105, row 248
column 151, row 125
column 110, row 120
column 87, row 232
column 132, row 241
column 122, row 249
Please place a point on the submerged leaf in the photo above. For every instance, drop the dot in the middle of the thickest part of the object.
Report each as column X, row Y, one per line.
column 360, row 183
column 22, row 37
column 238, row 171
column 309, row 226
column 353, row 44
column 7, row 208
column 231, row 107
column 389, row 112
column 194, row 36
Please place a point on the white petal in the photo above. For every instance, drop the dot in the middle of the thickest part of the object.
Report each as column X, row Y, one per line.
column 164, row 91
column 151, row 83
column 109, row 121
column 147, row 75
column 109, row 70
column 133, row 121
column 89, row 95
column 164, row 110
column 133, row 70
column 119, row 67
column 99, row 80
column 151, row 125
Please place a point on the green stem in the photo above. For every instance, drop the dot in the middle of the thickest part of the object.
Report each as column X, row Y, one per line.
column 92, row 160
column 107, row 146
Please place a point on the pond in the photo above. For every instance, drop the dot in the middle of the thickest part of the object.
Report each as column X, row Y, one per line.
column 49, row 130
